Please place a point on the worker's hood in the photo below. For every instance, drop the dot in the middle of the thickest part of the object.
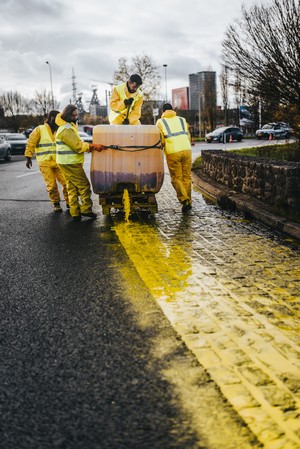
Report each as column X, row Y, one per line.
column 59, row 121
column 169, row 113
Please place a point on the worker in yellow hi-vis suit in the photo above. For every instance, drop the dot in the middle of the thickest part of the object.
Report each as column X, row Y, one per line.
column 176, row 141
column 41, row 142
column 126, row 102
column 70, row 151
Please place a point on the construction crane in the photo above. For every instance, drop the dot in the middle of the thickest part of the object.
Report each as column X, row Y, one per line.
column 74, row 85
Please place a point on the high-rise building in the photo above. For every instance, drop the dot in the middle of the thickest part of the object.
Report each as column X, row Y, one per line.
column 203, row 97
column 203, row 84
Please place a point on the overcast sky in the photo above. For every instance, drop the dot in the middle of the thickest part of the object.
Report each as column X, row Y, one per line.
column 90, row 36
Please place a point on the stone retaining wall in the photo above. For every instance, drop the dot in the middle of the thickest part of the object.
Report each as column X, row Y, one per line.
column 276, row 183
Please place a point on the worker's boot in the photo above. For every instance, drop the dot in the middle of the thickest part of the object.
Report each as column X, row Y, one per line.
column 57, row 207
column 186, row 206
column 91, row 215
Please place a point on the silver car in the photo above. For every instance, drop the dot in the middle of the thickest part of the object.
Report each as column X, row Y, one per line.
column 274, row 131
column 5, row 150
column 17, row 142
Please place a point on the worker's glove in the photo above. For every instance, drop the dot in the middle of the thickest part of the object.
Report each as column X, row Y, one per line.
column 125, row 121
column 128, row 101
column 28, row 162
column 96, row 147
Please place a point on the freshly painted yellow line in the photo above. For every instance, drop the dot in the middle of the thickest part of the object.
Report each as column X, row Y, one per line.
column 187, row 380
column 254, row 359
column 165, row 269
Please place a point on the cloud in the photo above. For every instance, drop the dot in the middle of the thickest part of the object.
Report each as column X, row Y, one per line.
column 34, row 9
column 91, row 36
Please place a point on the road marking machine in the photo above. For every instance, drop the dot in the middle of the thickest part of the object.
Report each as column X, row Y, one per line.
column 130, row 171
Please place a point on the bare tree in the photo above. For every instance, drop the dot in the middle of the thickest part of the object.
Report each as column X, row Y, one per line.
column 15, row 108
column 224, row 84
column 145, row 67
column 264, row 48
column 13, row 103
column 42, row 102
column 123, row 73
column 239, row 94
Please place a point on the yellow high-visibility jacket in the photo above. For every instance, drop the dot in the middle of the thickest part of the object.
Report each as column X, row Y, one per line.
column 174, row 132
column 118, row 110
column 41, row 142
column 69, row 146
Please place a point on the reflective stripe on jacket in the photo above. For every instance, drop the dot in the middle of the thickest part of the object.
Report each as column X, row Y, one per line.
column 46, row 148
column 64, row 154
column 176, row 135
column 121, row 89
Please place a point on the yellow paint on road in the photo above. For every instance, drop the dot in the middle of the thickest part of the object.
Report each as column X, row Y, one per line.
column 242, row 328
column 200, row 402
column 126, row 204
column 164, row 268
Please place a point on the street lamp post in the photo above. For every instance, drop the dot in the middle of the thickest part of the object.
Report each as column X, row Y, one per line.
column 199, row 106
column 47, row 62
column 166, row 94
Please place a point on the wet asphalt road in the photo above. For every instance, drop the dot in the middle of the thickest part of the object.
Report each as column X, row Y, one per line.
column 80, row 366
column 76, row 369
column 88, row 359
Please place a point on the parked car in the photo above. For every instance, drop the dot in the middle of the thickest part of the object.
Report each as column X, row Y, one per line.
column 279, row 130
column 5, row 150
column 219, row 134
column 88, row 129
column 28, row 131
column 290, row 131
column 85, row 137
column 17, row 142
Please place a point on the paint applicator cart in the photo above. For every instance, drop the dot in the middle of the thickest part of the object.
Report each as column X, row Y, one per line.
column 131, row 168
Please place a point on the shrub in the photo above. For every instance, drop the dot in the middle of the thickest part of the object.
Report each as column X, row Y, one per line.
column 283, row 152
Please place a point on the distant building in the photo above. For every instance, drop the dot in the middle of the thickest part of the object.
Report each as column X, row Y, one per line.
column 203, row 98
column 94, row 108
column 180, row 98
column 103, row 111
column 201, row 84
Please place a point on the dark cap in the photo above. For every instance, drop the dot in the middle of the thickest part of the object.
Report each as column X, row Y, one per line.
column 167, row 107
column 136, row 79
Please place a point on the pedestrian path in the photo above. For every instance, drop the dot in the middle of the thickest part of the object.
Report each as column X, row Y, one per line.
column 231, row 290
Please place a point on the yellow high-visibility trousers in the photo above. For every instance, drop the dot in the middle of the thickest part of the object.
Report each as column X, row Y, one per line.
column 51, row 174
column 180, row 165
column 78, row 187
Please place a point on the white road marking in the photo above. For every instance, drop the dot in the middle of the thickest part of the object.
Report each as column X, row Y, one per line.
column 28, row 174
